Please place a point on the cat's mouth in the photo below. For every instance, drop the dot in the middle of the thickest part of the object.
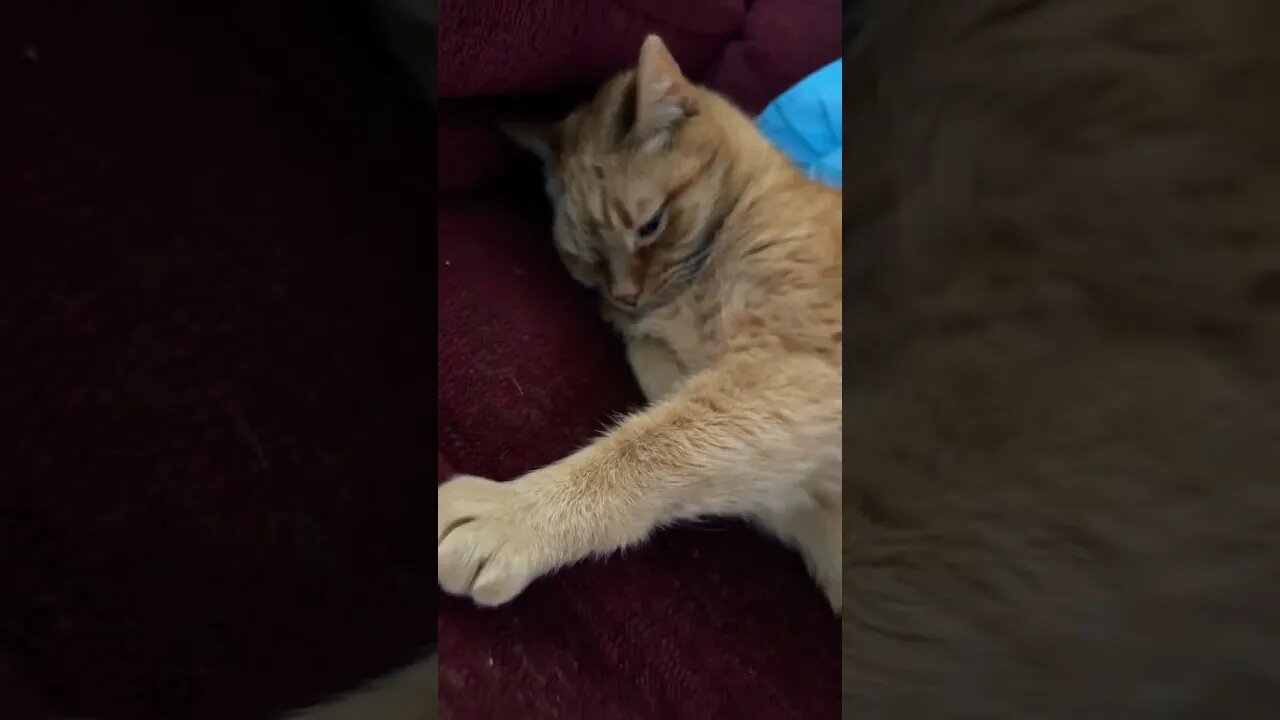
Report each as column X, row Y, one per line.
column 634, row 308
column 655, row 295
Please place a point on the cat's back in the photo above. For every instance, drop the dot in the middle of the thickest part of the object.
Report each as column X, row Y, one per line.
column 1111, row 163
column 1079, row 188
column 1065, row 394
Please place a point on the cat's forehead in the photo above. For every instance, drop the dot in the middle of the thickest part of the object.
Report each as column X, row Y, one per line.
column 608, row 201
column 613, row 172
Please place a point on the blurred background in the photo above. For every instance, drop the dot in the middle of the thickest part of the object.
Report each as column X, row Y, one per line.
column 215, row 356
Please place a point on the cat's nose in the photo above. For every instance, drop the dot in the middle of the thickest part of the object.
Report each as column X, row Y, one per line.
column 625, row 291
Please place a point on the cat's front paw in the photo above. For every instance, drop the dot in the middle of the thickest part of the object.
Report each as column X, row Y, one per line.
column 488, row 545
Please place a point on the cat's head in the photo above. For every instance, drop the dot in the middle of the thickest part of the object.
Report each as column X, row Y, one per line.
column 634, row 176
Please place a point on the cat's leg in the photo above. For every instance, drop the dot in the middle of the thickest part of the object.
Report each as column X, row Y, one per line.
column 814, row 530
column 750, row 437
column 656, row 367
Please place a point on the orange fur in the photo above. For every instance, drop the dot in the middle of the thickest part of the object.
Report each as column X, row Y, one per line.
column 730, row 304
column 1063, row 402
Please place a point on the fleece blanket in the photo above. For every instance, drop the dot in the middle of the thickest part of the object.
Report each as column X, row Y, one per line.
column 216, row 385
column 216, row 401
column 504, row 57
column 707, row 621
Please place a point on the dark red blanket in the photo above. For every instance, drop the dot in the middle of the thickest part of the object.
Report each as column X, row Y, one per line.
column 215, row 359
column 705, row 622
column 215, row 390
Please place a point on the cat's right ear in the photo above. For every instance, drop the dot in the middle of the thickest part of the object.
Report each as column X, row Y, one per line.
column 663, row 95
column 541, row 139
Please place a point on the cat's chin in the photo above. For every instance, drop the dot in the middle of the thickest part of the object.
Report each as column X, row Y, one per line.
column 629, row 311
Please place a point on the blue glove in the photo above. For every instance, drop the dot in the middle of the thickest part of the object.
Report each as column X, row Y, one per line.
column 807, row 123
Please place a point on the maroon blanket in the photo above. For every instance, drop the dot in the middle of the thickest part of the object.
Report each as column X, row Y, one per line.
column 215, row 376
column 705, row 622
column 215, row 390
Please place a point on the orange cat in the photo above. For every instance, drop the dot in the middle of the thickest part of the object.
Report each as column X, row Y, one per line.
column 720, row 264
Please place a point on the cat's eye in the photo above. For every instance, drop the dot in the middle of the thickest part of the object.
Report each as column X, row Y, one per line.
column 650, row 227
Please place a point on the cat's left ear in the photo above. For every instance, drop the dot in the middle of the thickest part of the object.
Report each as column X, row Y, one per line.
column 664, row 96
column 541, row 139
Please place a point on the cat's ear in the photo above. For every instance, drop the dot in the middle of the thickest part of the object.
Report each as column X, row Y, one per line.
column 663, row 95
column 541, row 139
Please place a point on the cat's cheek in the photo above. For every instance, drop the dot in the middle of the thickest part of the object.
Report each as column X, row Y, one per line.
column 656, row 273
column 580, row 271
column 589, row 276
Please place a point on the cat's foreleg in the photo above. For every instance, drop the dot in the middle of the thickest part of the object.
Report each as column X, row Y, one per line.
column 751, row 436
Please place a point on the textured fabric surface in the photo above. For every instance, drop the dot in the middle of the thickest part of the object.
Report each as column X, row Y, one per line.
column 215, row 386
column 504, row 57
column 19, row 697
column 707, row 621
column 214, row 390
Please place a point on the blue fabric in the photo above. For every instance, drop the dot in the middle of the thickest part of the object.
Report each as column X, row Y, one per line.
column 807, row 123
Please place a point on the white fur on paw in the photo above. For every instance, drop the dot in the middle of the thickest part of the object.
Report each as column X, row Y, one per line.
column 485, row 547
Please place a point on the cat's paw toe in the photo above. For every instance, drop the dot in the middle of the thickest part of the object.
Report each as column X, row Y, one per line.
column 485, row 548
